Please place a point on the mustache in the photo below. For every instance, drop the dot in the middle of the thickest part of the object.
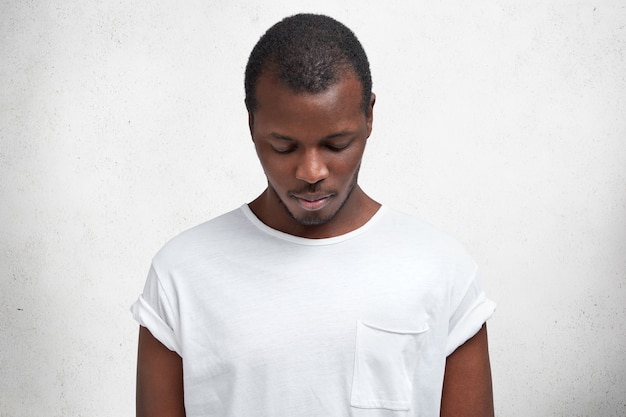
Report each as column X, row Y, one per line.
column 313, row 189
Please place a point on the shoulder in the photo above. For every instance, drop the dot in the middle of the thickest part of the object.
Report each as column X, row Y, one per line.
column 404, row 237
column 205, row 237
column 419, row 233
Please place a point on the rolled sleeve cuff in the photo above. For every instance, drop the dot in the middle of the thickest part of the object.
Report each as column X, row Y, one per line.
column 148, row 318
column 470, row 323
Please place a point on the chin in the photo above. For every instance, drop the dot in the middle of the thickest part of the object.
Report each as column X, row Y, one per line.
column 304, row 218
column 312, row 220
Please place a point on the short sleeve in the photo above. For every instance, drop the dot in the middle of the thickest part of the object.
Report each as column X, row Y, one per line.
column 473, row 310
column 153, row 311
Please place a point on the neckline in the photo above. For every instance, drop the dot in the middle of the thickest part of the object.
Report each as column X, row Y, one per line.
column 308, row 241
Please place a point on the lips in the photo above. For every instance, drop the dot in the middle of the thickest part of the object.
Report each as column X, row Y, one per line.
column 312, row 202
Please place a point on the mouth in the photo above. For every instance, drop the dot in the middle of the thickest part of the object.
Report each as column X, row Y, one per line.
column 312, row 202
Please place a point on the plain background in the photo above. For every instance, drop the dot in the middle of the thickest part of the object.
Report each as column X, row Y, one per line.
column 501, row 122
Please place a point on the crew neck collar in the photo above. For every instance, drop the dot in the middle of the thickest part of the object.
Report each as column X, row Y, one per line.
column 308, row 241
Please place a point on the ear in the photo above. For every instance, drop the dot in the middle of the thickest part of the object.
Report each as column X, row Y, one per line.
column 250, row 119
column 370, row 114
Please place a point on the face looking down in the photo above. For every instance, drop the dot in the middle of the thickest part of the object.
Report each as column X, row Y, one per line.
column 310, row 147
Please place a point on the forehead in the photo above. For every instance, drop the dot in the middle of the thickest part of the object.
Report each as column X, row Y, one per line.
column 281, row 110
column 273, row 93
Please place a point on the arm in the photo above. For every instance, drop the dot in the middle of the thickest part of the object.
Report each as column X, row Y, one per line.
column 467, row 390
column 159, row 379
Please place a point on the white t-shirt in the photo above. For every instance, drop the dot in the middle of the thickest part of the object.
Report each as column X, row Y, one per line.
column 270, row 324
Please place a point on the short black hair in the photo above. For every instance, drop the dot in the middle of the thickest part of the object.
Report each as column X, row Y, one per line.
column 309, row 53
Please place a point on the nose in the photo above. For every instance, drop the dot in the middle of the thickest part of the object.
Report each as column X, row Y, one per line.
column 312, row 167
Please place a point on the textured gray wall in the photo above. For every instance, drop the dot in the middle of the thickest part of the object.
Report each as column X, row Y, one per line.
column 122, row 123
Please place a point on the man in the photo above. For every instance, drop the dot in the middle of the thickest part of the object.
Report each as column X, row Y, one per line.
column 312, row 300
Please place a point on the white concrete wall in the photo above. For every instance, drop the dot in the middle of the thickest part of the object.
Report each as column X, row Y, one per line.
column 122, row 123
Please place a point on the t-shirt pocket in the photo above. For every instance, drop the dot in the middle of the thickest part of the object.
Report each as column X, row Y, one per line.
column 384, row 364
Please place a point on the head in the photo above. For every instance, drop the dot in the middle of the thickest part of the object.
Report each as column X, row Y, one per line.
column 306, row 84
column 307, row 53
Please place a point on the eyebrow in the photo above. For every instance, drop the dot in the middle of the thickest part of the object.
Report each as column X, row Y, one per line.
column 329, row 137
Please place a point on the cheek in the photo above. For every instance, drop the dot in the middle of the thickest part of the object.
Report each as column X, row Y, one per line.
column 277, row 170
column 270, row 161
column 350, row 164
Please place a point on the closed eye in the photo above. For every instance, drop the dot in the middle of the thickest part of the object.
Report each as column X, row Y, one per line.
column 284, row 150
column 281, row 144
column 338, row 147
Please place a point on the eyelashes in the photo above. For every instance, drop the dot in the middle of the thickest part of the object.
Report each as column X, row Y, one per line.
column 332, row 148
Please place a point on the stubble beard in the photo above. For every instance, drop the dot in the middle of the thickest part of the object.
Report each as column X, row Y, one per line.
column 312, row 219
